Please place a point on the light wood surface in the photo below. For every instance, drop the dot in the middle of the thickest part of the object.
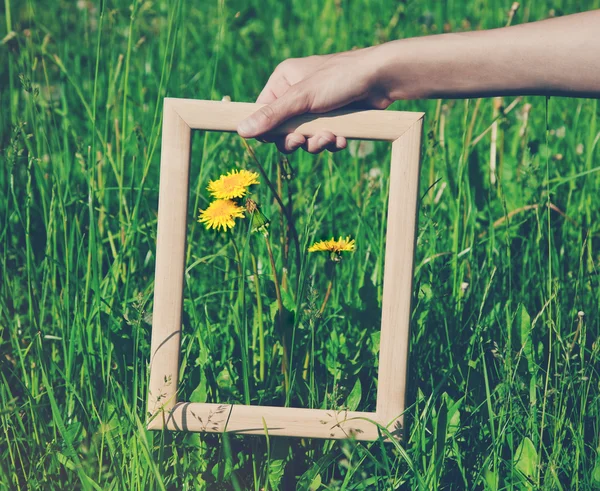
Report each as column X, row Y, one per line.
column 180, row 116
column 274, row 421
column 398, row 276
column 170, row 258
column 364, row 125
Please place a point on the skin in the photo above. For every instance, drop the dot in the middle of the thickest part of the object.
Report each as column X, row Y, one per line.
column 556, row 57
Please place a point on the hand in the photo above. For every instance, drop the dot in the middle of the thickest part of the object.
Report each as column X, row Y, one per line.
column 315, row 84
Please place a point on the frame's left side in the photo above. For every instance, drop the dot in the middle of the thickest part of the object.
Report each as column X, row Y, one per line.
column 169, row 271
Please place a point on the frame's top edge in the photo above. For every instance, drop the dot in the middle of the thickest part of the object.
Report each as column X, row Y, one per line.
column 368, row 124
column 256, row 106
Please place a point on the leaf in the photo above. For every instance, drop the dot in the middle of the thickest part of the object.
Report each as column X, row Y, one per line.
column 453, row 415
column 222, row 470
column 224, row 379
column 193, row 440
column 316, row 483
column 526, row 459
column 202, row 355
column 491, row 479
column 441, row 432
column 288, row 300
column 199, row 394
column 320, row 465
column 425, row 292
column 276, row 468
column 375, row 338
column 64, row 460
column 73, row 432
column 354, row 397
column 596, row 474
column 524, row 325
column 273, row 310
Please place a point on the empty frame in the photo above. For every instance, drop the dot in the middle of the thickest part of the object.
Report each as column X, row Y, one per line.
column 165, row 411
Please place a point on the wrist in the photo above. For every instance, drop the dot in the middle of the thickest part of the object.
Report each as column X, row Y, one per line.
column 412, row 68
column 370, row 66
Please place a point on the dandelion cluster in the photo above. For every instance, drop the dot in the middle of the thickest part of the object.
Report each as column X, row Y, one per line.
column 223, row 211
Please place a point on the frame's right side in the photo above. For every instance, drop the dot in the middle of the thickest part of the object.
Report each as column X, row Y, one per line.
column 398, row 278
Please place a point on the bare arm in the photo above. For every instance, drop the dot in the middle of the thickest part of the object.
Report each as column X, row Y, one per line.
column 558, row 56
column 552, row 57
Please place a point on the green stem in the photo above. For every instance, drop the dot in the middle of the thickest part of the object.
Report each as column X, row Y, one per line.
column 284, row 208
column 327, row 295
column 13, row 106
column 261, row 327
column 238, row 259
column 284, row 362
column 242, row 334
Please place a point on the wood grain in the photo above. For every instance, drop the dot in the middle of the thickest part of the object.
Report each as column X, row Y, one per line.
column 365, row 125
column 170, row 259
column 398, row 276
column 274, row 421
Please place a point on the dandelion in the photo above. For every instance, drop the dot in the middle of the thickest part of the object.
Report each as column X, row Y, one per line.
column 335, row 249
column 221, row 213
column 233, row 185
column 333, row 246
column 361, row 148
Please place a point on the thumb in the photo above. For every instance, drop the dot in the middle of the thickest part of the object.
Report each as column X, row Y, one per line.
column 292, row 103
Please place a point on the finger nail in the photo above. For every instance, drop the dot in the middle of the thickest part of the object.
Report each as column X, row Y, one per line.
column 296, row 142
column 323, row 142
column 246, row 127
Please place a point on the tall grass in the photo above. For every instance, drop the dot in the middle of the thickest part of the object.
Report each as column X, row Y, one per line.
column 503, row 381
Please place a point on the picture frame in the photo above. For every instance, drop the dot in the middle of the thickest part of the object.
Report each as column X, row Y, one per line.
column 165, row 412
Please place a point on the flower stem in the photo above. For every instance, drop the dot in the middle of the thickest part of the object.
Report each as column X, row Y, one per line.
column 243, row 334
column 314, row 323
column 284, row 361
column 327, row 295
column 284, row 209
column 261, row 328
column 237, row 256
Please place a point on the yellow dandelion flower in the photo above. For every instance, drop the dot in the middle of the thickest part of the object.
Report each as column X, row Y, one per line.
column 221, row 213
column 333, row 246
column 233, row 185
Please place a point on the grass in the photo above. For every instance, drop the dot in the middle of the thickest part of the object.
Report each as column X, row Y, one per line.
column 505, row 344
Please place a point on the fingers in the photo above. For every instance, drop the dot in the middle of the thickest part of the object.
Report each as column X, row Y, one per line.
column 293, row 102
column 340, row 143
column 324, row 140
column 266, row 96
column 274, row 89
column 290, row 104
column 290, row 143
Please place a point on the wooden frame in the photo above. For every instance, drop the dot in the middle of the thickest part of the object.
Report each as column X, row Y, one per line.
column 180, row 117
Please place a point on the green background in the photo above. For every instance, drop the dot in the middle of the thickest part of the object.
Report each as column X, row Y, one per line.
column 503, row 381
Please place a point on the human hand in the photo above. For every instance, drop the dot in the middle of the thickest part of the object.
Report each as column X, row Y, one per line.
column 315, row 84
column 556, row 57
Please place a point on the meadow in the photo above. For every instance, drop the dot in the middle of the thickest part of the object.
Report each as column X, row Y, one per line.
column 504, row 386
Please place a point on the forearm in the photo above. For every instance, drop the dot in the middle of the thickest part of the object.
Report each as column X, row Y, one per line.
column 553, row 57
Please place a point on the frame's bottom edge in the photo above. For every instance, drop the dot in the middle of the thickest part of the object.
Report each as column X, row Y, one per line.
column 276, row 421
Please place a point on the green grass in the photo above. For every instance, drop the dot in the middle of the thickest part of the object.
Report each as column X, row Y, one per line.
column 503, row 383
